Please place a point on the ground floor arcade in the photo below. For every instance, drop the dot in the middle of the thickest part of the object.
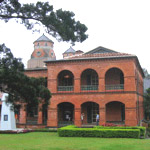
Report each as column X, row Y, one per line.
column 62, row 111
column 112, row 108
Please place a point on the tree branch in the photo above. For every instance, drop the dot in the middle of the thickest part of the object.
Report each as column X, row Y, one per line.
column 23, row 17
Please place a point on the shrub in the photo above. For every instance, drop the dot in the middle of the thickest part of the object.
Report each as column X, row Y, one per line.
column 109, row 124
column 103, row 133
column 142, row 129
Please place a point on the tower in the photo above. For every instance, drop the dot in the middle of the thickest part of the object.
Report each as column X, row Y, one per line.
column 43, row 50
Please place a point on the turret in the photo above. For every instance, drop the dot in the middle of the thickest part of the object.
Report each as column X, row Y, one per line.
column 43, row 50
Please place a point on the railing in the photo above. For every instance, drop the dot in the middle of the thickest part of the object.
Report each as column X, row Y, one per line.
column 65, row 88
column 114, row 87
column 89, row 87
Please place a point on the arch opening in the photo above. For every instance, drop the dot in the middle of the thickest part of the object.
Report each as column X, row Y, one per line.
column 114, row 79
column 90, row 110
column 65, row 114
column 89, row 80
column 115, row 112
column 65, row 81
column 32, row 114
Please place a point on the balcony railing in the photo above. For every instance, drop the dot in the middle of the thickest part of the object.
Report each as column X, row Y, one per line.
column 65, row 88
column 89, row 87
column 115, row 87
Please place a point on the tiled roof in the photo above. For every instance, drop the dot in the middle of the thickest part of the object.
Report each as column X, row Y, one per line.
column 100, row 55
column 70, row 50
column 43, row 38
column 100, row 49
column 99, row 52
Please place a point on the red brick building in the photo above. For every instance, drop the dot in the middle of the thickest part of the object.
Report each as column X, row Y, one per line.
column 100, row 81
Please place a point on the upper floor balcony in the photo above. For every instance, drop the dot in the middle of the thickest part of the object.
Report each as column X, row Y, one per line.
column 89, row 81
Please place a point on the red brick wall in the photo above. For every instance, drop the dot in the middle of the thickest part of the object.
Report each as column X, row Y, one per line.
column 112, row 76
column 128, row 97
column 36, row 73
column 113, row 112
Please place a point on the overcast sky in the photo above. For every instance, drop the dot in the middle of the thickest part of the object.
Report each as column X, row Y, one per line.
column 120, row 25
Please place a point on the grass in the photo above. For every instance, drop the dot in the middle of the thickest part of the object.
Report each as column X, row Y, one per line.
column 51, row 141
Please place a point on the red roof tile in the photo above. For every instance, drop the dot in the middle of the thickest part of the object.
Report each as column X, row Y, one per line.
column 101, row 55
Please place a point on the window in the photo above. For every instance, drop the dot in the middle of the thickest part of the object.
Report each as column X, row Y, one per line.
column 38, row 53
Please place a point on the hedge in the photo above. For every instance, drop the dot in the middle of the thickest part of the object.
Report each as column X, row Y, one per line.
column 142, row 129
column 102, row 133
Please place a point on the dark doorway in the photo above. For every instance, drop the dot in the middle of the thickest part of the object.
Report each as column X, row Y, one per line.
column 65, row 114
column 90, row 109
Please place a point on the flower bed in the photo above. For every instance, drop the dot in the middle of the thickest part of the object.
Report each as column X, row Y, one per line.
column 15, row 131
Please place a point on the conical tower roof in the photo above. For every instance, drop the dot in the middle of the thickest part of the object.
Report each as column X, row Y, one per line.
column 43, row 38
column 70, row 50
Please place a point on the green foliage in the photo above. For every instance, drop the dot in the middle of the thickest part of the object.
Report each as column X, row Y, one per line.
column 147, row 103
column 142, row 129
column 20, row 87
column 147, row 75
column 60, row 24
column 102, row 133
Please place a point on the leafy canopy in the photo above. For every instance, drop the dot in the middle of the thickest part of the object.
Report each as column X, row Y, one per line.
column 60, row 24
column 147, row 103
column 20, row 87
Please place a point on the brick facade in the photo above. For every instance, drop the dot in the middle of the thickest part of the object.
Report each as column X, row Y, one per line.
column 100, row 81
column 110, row 101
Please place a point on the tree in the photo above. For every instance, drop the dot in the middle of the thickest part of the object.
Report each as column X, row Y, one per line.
column 147, row 103
column 21, row 88
column 147, row 75
column 60, row 24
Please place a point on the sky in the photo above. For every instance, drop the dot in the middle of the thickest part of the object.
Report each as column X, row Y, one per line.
column 120, row 25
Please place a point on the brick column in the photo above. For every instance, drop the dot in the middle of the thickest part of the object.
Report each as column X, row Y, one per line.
column 102, row 112
column 77, row 120
column 23, row 114
column 101, row 85
column 77, row 85
column 129, row 84
column 52, row 85
column 130, row 116
column 52, row 117
column 40, row 114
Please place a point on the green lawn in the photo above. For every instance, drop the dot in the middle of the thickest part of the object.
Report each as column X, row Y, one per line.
column 51, row 141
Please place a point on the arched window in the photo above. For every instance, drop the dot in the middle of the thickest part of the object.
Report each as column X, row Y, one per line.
column 114, row 79
column 65, row 81
column 89, row 80
column 65, row 114
column 115, row 112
